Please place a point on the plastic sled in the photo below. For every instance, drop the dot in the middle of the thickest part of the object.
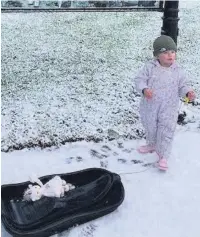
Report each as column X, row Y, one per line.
column 97, row 193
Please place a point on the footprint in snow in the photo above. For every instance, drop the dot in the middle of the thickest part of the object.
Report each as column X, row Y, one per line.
column 104, row 164
column 127, row 150
column 149, row 164
column 136, row 161
column 69, row 160
column 79, row 159
column 105, row 148
column 123, row 161
column 120, row 145
column 95, row 153
column 88, row 231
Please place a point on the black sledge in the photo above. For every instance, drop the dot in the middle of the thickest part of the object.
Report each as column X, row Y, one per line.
column 97, row 193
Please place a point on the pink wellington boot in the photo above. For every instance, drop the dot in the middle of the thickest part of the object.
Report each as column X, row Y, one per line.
column 162, row 164
column 146, row 149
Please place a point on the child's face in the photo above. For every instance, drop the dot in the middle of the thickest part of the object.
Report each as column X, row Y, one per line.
column 167, row 58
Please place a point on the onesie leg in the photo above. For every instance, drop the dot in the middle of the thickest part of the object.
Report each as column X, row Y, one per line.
column 149, row 122
column 167, row 120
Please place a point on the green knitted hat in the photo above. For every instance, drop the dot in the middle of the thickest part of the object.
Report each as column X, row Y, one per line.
column 162, row 44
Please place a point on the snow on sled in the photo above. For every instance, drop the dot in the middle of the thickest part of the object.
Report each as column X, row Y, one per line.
column 97, row 193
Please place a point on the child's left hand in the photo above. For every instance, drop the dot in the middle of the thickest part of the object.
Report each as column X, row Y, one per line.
column 191, row 95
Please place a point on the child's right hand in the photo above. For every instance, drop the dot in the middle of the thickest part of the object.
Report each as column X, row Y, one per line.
column 148, row 93
column 191, row 95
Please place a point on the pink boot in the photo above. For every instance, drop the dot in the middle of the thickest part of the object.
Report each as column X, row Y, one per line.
column 162, row 164
column 146, row 149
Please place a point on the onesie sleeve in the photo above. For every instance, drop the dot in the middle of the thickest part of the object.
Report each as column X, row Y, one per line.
column 141, row 80
column 183, row 84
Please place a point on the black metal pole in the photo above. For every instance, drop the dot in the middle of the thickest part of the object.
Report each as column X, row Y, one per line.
column 170, row 19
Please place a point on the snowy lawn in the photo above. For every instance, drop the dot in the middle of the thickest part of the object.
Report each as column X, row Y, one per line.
column 69, row 76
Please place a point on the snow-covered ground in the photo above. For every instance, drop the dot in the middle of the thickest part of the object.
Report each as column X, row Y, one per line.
column 68, row 76
column 156, row 204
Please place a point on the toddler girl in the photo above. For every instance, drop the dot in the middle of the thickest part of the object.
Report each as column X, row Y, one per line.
column 161, row 83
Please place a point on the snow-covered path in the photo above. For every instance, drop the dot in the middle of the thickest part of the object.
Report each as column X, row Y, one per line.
column 156, row 203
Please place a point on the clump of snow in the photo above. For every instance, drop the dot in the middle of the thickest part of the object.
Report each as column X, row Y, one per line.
column 70, row 76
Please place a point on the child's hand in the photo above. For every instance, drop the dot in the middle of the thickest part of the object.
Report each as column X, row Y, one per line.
column 191, row 95
column 148, row 93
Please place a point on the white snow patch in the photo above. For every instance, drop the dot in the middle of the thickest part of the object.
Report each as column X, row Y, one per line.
column 156, row 204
